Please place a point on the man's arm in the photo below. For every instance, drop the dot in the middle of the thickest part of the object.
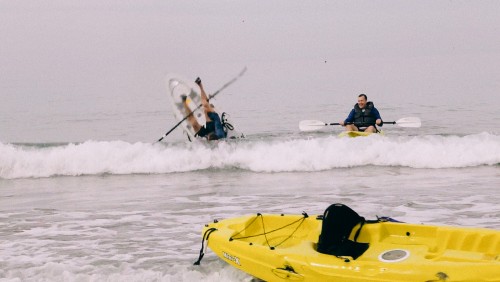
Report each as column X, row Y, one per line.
column 377, row 116
column 349, row 119
column 204, row 99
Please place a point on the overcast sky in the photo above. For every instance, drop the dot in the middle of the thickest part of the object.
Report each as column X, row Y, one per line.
column 102, row 50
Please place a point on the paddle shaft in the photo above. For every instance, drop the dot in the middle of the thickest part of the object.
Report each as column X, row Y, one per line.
column 362, row 124
column 209, row 97
column 310, row 125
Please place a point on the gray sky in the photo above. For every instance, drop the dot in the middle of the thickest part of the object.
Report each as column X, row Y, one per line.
column 65, row 50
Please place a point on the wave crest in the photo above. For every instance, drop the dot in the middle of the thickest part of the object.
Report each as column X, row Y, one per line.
column 272, row 155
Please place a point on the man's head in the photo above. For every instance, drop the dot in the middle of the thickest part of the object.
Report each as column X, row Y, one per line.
column 362, row 100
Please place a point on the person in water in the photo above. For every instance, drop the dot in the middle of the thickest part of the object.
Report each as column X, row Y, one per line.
column 213, row 128
column 364, row 117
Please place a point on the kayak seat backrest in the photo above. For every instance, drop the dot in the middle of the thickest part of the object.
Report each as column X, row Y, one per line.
column 338, row 223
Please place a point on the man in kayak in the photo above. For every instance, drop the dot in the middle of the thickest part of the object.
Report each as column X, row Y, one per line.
column 213, row 129
column 364, row 117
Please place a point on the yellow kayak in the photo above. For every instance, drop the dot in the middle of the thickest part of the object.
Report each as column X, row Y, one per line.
column 353, row 134
column 285, row 248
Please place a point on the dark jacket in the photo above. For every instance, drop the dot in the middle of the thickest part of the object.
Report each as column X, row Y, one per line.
column 366, row 116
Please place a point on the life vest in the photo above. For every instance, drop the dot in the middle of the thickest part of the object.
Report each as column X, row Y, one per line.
column 365, row 115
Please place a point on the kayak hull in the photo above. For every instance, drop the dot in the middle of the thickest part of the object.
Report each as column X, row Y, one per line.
column 397, row 251
column 353, row 134
column 178, row 87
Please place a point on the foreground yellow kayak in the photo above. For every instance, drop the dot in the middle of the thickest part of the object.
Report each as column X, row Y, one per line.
column 285, row 248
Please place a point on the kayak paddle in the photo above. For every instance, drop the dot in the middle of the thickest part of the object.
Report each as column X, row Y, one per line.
column 312, row 125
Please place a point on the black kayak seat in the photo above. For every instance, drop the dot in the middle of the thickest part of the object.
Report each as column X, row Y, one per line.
column 338, row 223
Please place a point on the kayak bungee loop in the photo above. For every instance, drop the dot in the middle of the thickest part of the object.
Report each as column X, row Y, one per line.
column 264, row 233
column 205, row 238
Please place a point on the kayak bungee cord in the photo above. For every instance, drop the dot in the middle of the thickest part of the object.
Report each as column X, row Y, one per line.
column 209, row 231
column 302, row 220
column 305, row 215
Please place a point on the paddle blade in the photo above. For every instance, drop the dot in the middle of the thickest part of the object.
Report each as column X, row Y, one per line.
column 409, row 122
column 311, row 125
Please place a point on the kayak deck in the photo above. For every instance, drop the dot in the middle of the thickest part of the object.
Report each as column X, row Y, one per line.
column 281, row 246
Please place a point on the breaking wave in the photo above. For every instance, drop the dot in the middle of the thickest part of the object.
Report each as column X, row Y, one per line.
column 263, row 155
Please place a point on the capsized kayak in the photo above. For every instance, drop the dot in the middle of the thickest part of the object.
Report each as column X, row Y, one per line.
column 282, row 247
column 178, row 87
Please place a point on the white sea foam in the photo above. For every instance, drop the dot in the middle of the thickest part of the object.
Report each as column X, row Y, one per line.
column 313, row 154
column 148, row 227
column 208, row 271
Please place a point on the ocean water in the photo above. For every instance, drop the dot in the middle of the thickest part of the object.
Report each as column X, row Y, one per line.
column 86, row 194
column 118, row 210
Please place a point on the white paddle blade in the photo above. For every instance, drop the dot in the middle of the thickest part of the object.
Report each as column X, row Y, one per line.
column 409, row 122
column 311, row 125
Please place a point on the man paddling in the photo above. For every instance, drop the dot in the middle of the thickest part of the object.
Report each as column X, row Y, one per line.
column 364, row 117
column 213, row 128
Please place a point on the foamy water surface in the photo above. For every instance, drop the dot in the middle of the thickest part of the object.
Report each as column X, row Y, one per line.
column 135, row 211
